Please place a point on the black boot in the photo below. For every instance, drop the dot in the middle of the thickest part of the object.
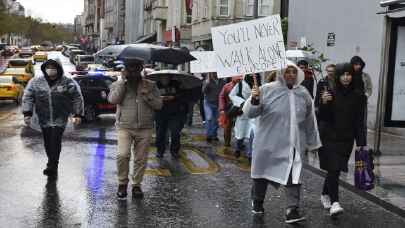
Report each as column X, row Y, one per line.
column 122, row 191
column 137, row 192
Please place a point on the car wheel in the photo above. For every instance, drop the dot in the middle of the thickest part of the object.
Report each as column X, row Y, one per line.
column 89, row 113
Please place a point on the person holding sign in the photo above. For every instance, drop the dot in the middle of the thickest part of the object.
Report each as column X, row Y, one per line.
column 285, row 128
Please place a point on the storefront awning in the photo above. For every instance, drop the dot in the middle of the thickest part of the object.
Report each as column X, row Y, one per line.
column 392, row 6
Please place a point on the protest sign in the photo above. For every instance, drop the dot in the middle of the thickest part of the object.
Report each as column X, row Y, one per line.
column 249, row 47
column 205, row 62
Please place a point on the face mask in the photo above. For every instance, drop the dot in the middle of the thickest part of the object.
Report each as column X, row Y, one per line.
column 51, row 72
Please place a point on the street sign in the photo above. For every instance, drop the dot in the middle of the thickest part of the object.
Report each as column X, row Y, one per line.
column 249, row 47
column 331, row 39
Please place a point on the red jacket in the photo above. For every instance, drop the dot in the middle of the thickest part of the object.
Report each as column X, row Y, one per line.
column 224, row 95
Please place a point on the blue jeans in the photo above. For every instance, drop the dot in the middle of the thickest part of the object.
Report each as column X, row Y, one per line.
column 211, row 118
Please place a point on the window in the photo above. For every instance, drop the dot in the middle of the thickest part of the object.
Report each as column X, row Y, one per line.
column 223, row 8
column 265, row 7
column 205, row 9
column 249, row 7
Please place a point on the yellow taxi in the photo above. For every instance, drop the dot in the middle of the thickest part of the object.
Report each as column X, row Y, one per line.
column 10, row 89
column 22, row 63
column 40, row 56
column 20, row 74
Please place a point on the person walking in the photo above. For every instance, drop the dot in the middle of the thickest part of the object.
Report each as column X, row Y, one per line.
column 365, row 83
column 224, row 105
column 211, row 88
column 53, row 97
column 285, row 127
column 171, row 117
column 137, row 99
column 244, row 126
column 341, row 114
column 327, row 83
column 309, row 81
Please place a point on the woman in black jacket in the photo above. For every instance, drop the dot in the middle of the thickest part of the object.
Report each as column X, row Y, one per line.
column 341, row 114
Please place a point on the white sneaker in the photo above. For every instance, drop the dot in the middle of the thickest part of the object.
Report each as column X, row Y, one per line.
column 335, row 209
column 325, row 200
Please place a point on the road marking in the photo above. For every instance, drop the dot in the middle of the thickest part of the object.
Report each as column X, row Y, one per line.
column 153, row 167
column 196, row 162
column 228, row 153
column 6, row 115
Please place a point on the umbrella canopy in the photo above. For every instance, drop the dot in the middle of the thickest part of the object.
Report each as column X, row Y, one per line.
column 187, row 81
column 155, row 53
column 112, row 50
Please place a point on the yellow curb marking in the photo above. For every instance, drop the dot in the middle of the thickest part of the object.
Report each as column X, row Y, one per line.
column 228, row 154
column 190, row 166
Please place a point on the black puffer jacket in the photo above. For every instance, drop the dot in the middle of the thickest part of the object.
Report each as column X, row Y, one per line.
column 341, row 122
column 52, row 100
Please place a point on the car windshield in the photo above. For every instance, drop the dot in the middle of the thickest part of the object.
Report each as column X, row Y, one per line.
column 17, row 62
column 5, row 79
column 86, row 58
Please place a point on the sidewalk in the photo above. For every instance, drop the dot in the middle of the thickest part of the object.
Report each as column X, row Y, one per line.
column 389, row 170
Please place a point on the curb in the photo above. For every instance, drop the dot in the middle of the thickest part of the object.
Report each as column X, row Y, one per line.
column 368, row 196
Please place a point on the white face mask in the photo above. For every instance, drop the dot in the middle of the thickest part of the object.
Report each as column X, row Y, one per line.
column 51, row 72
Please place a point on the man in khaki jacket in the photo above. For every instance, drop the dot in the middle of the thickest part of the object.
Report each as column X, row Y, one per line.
column 137, row 99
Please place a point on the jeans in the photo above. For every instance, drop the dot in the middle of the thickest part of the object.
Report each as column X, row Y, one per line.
column 165, row 123
column 53, row 145
column 211, row 116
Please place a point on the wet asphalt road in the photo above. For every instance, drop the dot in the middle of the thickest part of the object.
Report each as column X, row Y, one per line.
column 203, row 189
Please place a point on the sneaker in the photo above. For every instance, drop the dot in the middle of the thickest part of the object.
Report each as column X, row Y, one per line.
column 325, row 200
column 122, row 192
column 336, row 209
column 257, row 207
column 137, row 192
column 293, row 216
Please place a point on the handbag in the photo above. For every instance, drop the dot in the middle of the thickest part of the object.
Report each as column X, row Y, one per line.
column 363, row 173
column 231, row 110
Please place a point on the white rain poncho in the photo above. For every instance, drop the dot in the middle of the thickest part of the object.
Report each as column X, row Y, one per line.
column 243, row 124
column 285, row 127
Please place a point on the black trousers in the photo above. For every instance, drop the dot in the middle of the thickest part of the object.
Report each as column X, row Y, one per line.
column 174, row 124
column 53, row 145
column 331, row 186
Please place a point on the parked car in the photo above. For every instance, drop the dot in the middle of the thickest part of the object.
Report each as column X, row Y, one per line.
column 35, row 48
column 40, row 56
column 26, row 53
column 59, row 48
column 95, row 88
column 21, row 74
column 82, row 61
column 73, row 53
column 46, row 46
column 10, row 89
column 68, row 49
column 22, row 63
column 7, row 52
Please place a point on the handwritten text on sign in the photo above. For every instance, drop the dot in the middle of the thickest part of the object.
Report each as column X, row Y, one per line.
column 205, row 62
column 249, row 47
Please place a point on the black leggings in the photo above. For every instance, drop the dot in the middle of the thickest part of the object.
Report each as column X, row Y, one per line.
column 331, row 186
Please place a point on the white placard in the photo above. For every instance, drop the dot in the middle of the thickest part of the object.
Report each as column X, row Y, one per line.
column 249, row 47
column 205, row 62
column 398, row 104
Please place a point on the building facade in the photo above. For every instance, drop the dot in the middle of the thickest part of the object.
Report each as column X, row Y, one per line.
column 134, row 20
column 114, row 21
column 211, row 13
column 178, row 27
column 155, row 19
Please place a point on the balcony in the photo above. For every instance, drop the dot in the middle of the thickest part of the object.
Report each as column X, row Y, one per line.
column 159, row 13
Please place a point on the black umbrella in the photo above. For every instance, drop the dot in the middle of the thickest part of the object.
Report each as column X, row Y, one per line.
column 112, row 50
column 187, row 81
column 155, row 53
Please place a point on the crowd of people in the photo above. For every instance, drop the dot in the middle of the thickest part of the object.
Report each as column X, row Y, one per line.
column 275, row 119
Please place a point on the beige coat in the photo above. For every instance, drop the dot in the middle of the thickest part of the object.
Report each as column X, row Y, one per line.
column 135, row 107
